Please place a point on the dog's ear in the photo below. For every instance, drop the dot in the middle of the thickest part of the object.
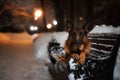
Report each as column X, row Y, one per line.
column 86, row 28
column 71, row 30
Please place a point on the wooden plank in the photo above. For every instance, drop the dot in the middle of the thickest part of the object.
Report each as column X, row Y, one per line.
column 100, row 52
column 109, row 37
column 95, row 55
column 109, row 42
column 106, row 36
column 103, row 34
column 102, row 47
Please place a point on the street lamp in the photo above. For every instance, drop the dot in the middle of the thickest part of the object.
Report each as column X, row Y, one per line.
column 49, row 26
column 37, row 13
column 33, row 28
column 55, row 22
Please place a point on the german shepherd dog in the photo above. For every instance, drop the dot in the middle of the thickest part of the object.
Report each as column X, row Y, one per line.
column 77, row 46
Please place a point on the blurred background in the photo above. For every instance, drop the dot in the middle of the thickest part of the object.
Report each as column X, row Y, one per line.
column 27, row 27
column 35, row 16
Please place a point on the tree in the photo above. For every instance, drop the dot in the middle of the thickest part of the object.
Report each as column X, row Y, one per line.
column 107, row 12
column 59, row 14
column 14, row 16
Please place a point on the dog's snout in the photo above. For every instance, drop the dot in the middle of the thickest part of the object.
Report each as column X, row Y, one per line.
column 77, row 37
column 77, row 42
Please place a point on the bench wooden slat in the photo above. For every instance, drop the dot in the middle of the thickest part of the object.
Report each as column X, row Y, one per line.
column 102, row 47
column 109, row 42
column 106, row 36
column 100, row 52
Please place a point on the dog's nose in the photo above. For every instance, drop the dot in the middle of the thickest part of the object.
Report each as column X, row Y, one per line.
column 77, row 37
column 78, row 42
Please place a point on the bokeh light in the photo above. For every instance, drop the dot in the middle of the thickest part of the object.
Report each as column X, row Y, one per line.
column 49, row 26
column 55, row 22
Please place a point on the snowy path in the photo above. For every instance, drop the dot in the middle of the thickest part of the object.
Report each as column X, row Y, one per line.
column 17, row 62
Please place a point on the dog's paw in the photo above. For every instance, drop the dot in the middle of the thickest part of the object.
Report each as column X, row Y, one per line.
column 76, row 56
column 82, row 47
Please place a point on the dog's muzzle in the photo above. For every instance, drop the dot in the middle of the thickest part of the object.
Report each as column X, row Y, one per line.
column 75, row 48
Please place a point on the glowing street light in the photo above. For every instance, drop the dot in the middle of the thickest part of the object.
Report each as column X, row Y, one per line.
column 33, row 28
column 49, row 26
column 37, row 13
column 55, row 22
column 35, row 18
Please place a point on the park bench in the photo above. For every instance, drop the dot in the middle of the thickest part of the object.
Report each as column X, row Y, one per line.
column 100, row 62
column 104, row 49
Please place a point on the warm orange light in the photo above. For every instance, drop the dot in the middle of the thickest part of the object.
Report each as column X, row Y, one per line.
column 81, row 18
column 38, row 13
column 35, row 18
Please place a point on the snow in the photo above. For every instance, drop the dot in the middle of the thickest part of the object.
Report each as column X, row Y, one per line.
column 71, row 76
column 71, row 64
column 105, row 29
column 40, row 44
column 73, row 67
column 18, row 63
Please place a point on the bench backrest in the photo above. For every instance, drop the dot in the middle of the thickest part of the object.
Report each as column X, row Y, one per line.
column 102, row 45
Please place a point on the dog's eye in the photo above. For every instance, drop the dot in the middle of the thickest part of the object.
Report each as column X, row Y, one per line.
column 72, row 33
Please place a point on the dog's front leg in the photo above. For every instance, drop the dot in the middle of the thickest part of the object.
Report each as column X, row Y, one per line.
column 87, row 46
column 82, row 57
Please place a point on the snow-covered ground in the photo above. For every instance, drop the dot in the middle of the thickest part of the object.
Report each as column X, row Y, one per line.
column 41, row 42
column 18, row 63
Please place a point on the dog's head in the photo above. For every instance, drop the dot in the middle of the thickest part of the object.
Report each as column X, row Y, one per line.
column 75, row 40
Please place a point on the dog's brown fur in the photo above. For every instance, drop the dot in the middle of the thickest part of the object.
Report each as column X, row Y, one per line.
column 77, row 51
